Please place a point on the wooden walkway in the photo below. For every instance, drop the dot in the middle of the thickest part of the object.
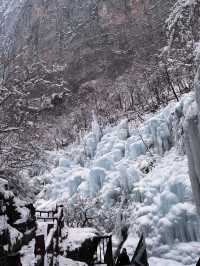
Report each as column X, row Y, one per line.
column 47, row 244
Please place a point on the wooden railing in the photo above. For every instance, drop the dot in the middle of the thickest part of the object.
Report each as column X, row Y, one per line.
column 104, row 254
column 50, row 246
column 50, row 214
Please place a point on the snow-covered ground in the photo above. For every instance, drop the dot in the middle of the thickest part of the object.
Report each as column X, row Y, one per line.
column 76, row 237
column 139, row 173
column 28, row 257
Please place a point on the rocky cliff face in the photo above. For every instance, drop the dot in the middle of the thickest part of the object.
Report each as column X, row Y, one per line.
column 93, row 38
column 78, row 50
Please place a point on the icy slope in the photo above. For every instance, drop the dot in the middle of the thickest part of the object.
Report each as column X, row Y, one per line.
column 139, row 175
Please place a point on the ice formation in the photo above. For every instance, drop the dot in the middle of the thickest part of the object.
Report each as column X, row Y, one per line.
column 146, row 166
column 192, row 130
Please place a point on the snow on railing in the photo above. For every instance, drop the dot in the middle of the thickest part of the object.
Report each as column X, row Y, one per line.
column 46, row 245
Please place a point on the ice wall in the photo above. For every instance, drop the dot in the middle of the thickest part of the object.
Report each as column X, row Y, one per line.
column 192, row 139
column 138, row 174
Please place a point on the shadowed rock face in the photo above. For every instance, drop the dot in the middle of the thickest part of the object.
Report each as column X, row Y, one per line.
column 92, row 41
column 93, row 38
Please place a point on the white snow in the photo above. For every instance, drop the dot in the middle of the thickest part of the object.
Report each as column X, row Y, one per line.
column 144, row 164
column 76, row 236
column 158, row 262
column 49, row 238
column 14, row 235
column 3, row 222
column 67, row 262
column 28, row 256
column 24, row 213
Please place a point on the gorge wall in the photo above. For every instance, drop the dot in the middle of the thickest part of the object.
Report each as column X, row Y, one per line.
column 86, row 47
column 93, row 39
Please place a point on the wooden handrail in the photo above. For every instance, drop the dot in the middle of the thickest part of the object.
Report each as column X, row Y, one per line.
column 47, row 218
column 45, row 211
column 57, row 215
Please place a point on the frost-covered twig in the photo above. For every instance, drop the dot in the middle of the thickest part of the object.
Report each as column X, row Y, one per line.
column 144, row 142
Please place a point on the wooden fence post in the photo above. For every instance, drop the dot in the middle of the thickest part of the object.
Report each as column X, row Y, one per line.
column 50, row 248
column 108, row 258
column 40, row 249
column 14, row 259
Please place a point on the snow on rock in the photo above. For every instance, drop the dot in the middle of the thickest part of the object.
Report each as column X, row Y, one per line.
column 3, row 223
column 158, row 262
column 67, row 262
column 143, row 168
column 28, row 257
column 14, row 234
column 77, row 236
column 27, row 254
column 13, row 212
column 49, row 238
column 24, row 213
